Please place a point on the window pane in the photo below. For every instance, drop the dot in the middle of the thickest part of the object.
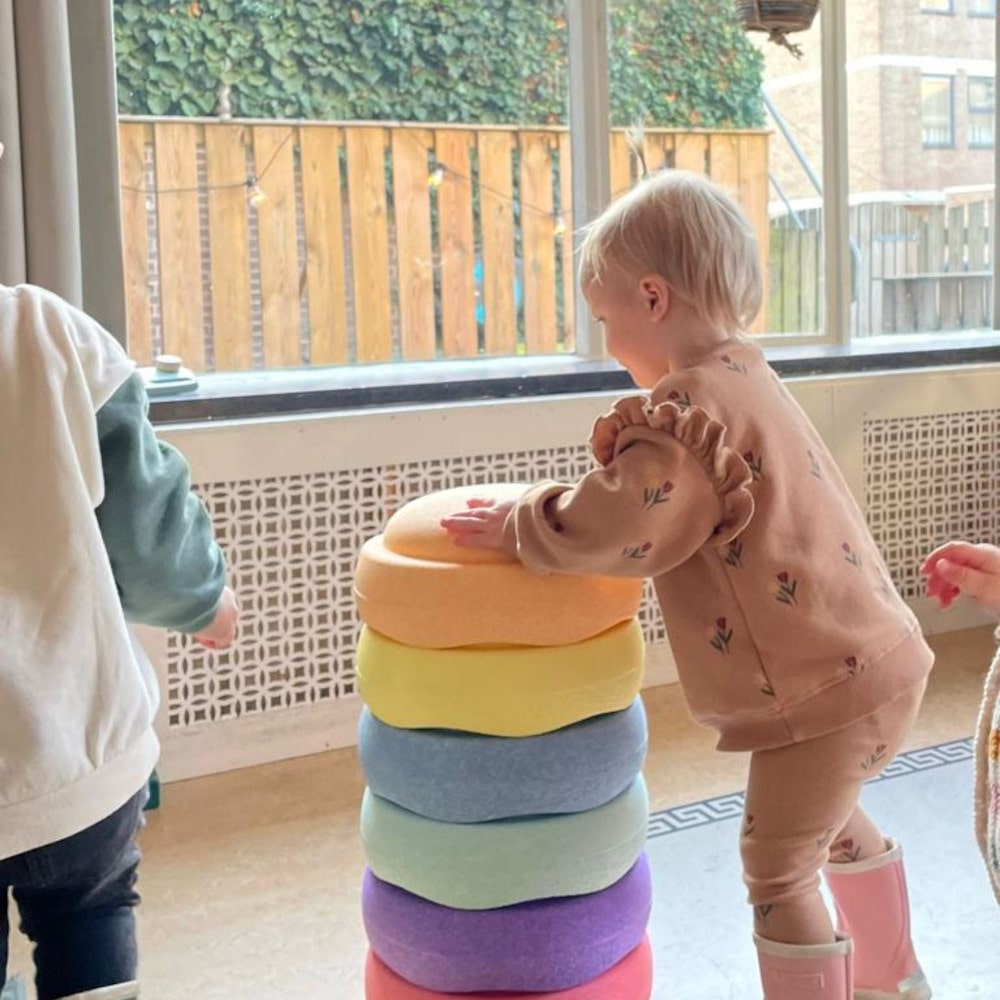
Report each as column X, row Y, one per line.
column 983, row 8
column 697, row 80
column 791, row 89
column 937, row 6
column 981, row 112
column 328, row 184
column 920, row 92
column 937, row 111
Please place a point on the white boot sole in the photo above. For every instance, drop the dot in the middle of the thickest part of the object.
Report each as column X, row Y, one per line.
column 917, row 991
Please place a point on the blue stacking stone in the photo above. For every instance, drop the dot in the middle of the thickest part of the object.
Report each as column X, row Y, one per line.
column 458, row 777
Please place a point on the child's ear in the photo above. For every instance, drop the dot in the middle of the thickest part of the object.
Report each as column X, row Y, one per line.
column 655, row 296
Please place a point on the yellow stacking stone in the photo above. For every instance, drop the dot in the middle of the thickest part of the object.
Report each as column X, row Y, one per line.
column 500, row 690
column 415, row 585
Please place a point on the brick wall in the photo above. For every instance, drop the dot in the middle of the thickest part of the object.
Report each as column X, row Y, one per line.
column 886, row 150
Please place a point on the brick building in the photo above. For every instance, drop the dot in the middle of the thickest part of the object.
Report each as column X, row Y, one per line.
column 920, row 91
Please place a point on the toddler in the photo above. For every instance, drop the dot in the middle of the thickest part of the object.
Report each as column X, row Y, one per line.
column 98, row 525
column 789, row 636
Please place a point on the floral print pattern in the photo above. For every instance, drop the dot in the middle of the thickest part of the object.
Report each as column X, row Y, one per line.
column 681, row 399
column 853, row 667
column 874, row 758
column 734, row 366
column 721, row 635
column 756, row 463
column 845, row 851
column 850, row 555
column 785, row 588
column 815, row 469
column 637, row 551
column 653, row 495
column 734, row 553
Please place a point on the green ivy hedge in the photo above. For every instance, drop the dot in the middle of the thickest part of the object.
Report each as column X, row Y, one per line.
column 673, row 62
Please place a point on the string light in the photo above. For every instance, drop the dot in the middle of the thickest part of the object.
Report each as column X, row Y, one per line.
column 256, row 195
column 436, row 176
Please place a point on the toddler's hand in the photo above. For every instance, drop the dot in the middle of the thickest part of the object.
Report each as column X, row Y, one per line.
column 481, row 525
column 221, row 632
column 964, row 568
column 603, row 436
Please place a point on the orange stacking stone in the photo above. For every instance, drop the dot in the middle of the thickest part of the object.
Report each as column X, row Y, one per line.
column 416, row 586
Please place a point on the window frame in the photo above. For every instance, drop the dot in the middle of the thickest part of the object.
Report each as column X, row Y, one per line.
column 235, row 396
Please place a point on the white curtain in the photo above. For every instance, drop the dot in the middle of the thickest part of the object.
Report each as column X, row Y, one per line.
column 60, row 216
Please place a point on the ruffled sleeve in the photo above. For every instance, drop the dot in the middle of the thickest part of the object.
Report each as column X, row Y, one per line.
column 704, row 438
column 670, row 487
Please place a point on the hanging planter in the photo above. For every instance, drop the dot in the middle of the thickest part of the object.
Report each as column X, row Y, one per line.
column 778, row 18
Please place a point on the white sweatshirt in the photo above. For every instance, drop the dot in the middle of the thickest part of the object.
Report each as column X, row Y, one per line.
column 76, row 697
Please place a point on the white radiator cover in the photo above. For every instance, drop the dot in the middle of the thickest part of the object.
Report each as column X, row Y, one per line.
column 294, row 498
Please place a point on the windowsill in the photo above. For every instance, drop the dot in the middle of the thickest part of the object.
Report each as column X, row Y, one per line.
column 275, row 393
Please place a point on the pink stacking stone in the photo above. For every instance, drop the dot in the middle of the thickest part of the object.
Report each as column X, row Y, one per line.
column 542, row 946
column 630, row 979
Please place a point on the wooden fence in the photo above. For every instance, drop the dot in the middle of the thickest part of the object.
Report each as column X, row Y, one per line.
column 277, row 244
column 919, row 266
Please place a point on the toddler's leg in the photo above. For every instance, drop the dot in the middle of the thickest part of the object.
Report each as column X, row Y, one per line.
column 4, row 932
column 77, row 906
column 801, row 804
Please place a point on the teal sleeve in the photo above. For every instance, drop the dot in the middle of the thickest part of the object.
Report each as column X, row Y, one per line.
column 158, row 535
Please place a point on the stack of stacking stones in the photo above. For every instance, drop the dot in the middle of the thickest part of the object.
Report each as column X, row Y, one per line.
column 502, row 742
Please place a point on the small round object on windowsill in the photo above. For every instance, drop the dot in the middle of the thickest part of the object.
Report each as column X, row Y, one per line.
column 168, row 364
column 167, row 375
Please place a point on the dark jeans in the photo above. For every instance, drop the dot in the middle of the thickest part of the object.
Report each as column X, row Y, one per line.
column 76, row 900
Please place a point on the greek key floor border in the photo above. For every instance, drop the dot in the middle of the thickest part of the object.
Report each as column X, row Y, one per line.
column 695, row 814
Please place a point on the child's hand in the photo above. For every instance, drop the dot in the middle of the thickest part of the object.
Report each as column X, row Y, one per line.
column 963, row 568
column 481, row 525
column 221, row 632
column 603, row 436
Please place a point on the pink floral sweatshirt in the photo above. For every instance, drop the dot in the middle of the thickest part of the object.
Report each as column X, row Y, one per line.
column 780, row 611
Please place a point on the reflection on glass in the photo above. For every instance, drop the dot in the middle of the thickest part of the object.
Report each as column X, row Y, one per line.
column 921, row 136
column 793, row 98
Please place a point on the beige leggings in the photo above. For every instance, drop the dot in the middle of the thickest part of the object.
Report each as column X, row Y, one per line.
column 802, row 811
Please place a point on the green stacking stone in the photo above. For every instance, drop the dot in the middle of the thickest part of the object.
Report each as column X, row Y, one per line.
column 480, row 866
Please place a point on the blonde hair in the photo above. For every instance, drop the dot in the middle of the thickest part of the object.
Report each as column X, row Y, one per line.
column 688, row 230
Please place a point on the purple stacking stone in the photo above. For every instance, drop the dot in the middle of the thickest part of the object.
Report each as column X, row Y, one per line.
column 537, row 947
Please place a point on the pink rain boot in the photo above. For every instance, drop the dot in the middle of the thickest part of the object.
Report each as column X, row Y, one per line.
column 874, row 909
column 805, row 971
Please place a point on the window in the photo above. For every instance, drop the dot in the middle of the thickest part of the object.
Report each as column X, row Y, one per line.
column 781, row 173
column 982, row 8
column 937, row 6
column 937, row 111
column 304, row 191
column 920, row 203
column 981, row 112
